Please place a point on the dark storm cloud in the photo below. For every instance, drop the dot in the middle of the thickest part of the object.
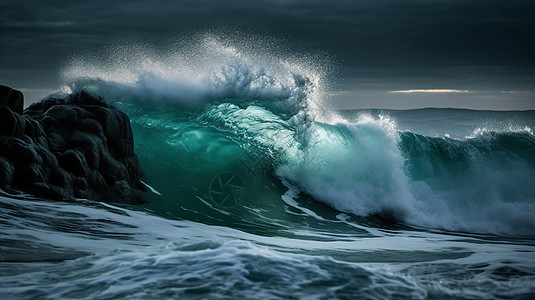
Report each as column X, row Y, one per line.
column 468, row 41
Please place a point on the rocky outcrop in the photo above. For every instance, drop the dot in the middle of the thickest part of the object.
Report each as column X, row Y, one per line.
column 61, row 149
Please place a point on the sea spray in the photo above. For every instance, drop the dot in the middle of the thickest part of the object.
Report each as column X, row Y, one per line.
column 225, row 102
column 293, row 156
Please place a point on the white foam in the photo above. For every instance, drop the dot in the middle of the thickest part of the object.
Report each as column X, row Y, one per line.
column 279, row 104
column 359, row 168
column 356, row 168
column 154, row 191
column 482, row 131
column 206, row 68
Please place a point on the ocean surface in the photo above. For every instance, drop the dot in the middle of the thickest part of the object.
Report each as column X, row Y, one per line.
column 258, row 190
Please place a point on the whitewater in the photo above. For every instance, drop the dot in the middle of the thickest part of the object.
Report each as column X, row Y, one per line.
column 259, row 190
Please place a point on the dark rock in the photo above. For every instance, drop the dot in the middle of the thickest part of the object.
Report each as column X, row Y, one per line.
column 11, row 123
column 74, row 161
column 91, row 145
column 6, row 173
column 116, row 127
column 60, row 177
column 61, row 115
column 56, row 141
column 53, row 192
column 111, row 122
column 83, row 98
column 48, row 158
column 121, row 187
column 61, row 149
column 27, row 175
column 33, row 129
column 12, row 99
column 34, row 173
column 42, row 106
column 21, row 152
column 91, row 126
column 80, row 183
column 41, row 141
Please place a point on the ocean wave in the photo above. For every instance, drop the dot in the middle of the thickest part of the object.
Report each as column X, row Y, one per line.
column 197, row 117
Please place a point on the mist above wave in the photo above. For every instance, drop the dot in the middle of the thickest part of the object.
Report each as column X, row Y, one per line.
column 202, row 69
column 253, row 95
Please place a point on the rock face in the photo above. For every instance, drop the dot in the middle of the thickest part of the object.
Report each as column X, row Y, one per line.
column 61, row 149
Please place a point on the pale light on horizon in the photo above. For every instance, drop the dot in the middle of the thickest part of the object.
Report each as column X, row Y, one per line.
column 430, row 91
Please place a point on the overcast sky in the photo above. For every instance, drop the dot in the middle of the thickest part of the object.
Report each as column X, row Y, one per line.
column 390, row 53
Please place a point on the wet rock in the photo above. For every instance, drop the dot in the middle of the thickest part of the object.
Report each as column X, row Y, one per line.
column 74, row 161
column 90, row 126
column 61, row 149
column 21, row 152
column 12, row 99
column 90, row 144
column 6, row 173
column 11, row 123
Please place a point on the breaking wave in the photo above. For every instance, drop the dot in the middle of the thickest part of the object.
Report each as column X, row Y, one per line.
column 203, row 110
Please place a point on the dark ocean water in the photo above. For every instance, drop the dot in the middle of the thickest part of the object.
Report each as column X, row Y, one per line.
column 259, row 191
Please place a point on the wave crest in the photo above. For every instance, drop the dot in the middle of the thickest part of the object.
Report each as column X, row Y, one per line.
column 204, row 105
column 205, row 71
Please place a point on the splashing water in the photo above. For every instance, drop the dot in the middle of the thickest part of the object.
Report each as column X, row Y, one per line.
column 327, row 204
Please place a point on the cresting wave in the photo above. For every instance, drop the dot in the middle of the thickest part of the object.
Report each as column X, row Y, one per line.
column 198, row 111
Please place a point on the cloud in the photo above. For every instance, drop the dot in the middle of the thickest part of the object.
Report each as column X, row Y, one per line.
column 436, row 91
column 391, row 44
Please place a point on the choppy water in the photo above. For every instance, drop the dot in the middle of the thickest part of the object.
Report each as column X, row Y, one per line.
column 261, row 192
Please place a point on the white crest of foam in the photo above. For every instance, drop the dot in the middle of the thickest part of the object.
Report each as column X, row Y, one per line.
column 482, row 131
column 204, row 68
column 356, row 168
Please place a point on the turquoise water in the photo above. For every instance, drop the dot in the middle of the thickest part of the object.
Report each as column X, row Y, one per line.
column 259, row 191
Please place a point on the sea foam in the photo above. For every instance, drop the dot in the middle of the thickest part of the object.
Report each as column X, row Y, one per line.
column 364, row 167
